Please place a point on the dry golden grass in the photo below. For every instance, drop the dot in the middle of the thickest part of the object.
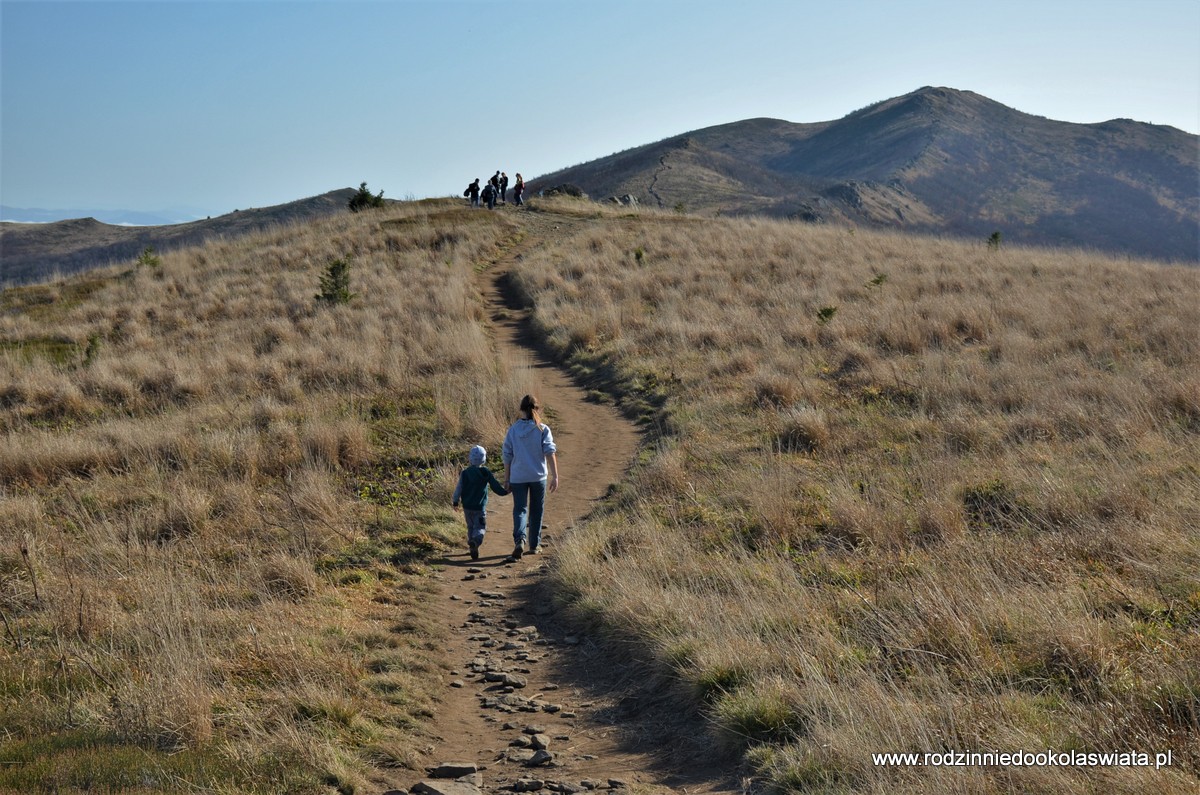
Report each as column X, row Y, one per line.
column 908, row 495
column 213, row 524
column 904, row 495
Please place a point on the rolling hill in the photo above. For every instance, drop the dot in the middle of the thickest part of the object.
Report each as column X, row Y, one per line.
column 937, row 160
column 30, row 252
column 895, row 494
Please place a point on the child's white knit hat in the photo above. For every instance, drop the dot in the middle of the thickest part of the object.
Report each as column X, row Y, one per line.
column 477, row 455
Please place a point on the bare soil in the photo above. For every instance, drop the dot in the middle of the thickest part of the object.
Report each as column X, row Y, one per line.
column 522, row 672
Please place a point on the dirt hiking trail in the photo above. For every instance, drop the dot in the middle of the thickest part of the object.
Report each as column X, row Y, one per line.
column 528, row 706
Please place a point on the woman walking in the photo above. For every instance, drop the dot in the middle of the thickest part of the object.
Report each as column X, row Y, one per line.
column 529, row 455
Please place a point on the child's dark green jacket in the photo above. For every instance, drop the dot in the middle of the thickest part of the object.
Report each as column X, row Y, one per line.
column 472, row 488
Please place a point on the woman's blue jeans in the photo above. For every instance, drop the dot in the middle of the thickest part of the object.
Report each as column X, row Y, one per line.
column 529, row 501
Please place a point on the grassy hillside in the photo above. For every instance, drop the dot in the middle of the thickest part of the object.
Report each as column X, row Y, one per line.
column 907, row 495
column 217, row 504
column 900, row 495
column 37, row 252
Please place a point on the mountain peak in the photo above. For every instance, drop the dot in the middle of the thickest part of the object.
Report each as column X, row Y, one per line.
column 936, row 159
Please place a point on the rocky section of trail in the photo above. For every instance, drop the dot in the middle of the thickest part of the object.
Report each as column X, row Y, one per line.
column 524, row 727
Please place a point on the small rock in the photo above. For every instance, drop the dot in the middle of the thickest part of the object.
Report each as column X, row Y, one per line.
column 479, row 637
column 567, row 714
column 527, row 785
column 452, row 769
column 617, row 783
column 453, row 598
column 475, row 779
column 530, row 630
column 445, row 788
column 588, row 783
column 542, row 757
column 533, row 728
column 550, row 687
column 541, row 742
column 513, row 680
column 520, row 755
column 491, row 595
column 474, row 570
column 458, row 683
column 521, row 742
column 551, row 708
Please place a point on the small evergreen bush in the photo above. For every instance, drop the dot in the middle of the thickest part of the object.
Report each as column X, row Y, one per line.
column 365, row 199
column 148, row 258
column 335, row 283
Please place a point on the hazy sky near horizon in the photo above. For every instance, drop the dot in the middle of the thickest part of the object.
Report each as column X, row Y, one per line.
column 222, row 105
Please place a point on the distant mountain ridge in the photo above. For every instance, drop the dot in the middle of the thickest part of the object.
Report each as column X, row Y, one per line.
column 937, row 160
column 34, row 251
column 37, row 215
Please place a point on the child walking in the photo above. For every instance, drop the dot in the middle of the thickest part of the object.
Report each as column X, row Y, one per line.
column 472, row 492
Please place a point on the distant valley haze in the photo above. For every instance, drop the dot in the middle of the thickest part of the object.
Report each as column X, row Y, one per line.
column 120, row 217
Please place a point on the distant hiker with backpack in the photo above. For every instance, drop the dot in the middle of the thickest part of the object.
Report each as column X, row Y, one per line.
column 503, row 187
column 472, row 492
column 472, row 192
column 518, row 190
column 489, row 196
column 529, row 453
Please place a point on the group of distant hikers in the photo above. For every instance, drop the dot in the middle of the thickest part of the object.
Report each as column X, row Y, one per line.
column 495, row 190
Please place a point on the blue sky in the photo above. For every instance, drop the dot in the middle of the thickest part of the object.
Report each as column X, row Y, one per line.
column 219, row 106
